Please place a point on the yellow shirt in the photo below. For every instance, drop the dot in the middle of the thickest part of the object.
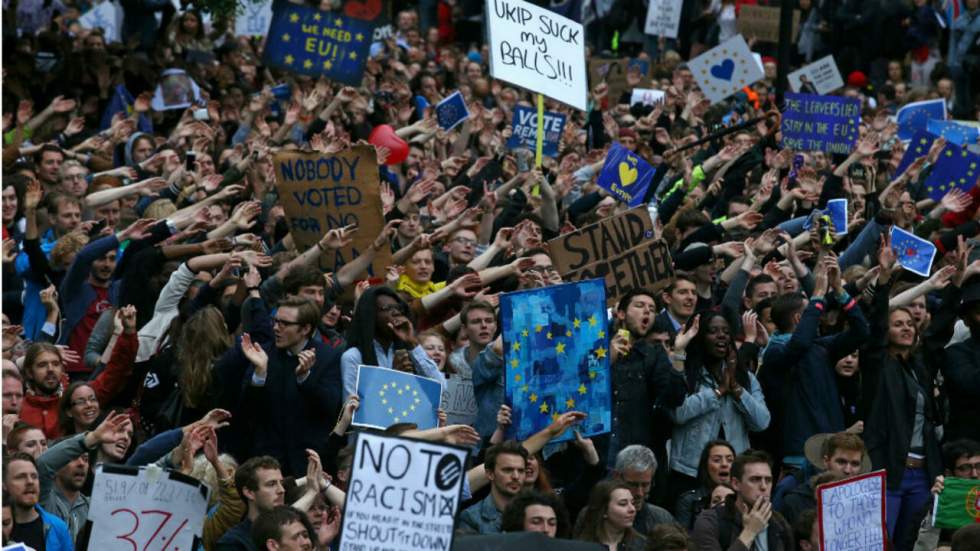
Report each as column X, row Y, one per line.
column 417, row 290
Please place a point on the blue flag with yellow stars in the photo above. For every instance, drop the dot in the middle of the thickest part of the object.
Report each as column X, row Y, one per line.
column 389, row 396
column 954, row 132
column 955, row 168
column 625, row 175
column 919, row 146
column 556, row 357
column 313, row 42
column 452, row 111
column 915, row 116
column 913, row 253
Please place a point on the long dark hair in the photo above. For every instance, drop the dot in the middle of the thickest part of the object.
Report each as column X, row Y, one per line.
column 703, row 477
column 590, row 528
column 360, row 334
column 696, row 355
column 66, row 422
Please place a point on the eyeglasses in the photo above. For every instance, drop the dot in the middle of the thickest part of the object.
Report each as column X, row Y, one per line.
column 391, row 309
column 543, row 269
column 968, row 467
column 465, row 241
column 83, row 401
column 287, row 323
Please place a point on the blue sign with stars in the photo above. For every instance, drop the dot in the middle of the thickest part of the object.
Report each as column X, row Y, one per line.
column 916, row 115
column 389, row 396
column 452, row 111
column 912, row 252
column 954, row 132
column 821, row 123
column 314, row 42
column 955, row 168
column 556, row 357
column 919, row 146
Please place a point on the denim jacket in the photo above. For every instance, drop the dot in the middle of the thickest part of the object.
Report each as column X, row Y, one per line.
column 488, row 389
column 481, row 518
column 698, row 419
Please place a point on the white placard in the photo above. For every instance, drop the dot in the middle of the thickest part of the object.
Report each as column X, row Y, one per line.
column 647, row 96
column 403, row 495
column 663, row 18
column 725, row 69
column 254, row 19
column 539, row 50
column 851, row 513
column 822, row 77
column 106, row 16
column 146, row 508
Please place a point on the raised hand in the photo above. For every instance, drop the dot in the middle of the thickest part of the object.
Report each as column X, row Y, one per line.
column 111, row 429
column 504, row 417
column 255, row 354
column 306, row 360
column 685, row 337
column 565, row 421
column 338, row 238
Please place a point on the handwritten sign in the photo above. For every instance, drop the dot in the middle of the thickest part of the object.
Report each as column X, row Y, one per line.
column 525, row 130
column 762, row 22
column 106, row 16
column 322, row 192
column 821, row 123
column 314, row 42
column 537, row 49
column 725, row 69
column 403, row 495
column 253, row 18
column 851, row 513
column 820, row 77
column 663, row 18
column 613, row 72
column 146, row 508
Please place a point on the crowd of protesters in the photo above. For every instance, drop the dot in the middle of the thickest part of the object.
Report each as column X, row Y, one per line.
column 156, row 309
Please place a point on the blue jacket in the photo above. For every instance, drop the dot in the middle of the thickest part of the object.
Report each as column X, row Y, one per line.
column 488, row 389
column 56, row 536
column 34, row 311
column 482, row 517
column 76, row 293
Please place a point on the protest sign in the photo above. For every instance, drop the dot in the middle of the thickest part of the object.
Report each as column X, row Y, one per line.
column 725, row 69
column 106, row 15
column 916, row 115
column 253, row 18
column 613, row 73
column 537, row 49
column 403, row 495
column 958, row 505
column 322, row 192
column 851, row 513
column 458, row 400
column 647, row 96
column 955, row 168
column 913, row 253
column 556, row 357
column 918, row 146
column 525, row 128
column 957, row 132
column 821, row 123
column 389, row 396
column 451, row 111
column 762, row 22
column 146, row 507
column 663, row 18
column 835, row 214
column 625, row 175
column 313, row 42
column 176, row 91
column 820, row 77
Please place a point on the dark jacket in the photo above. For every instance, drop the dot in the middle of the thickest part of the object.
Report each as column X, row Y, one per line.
column 961, row 371
column 238, row 538
column 890, row 385
column 797, row 500
column 718, row 528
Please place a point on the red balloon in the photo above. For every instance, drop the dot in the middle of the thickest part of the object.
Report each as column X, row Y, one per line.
column 384, row 136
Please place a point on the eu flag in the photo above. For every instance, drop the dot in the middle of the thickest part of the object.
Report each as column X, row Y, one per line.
column 835, row 213
column 452, row 111
column 919, row 146
column 955, row 168
column 556, row 357
column 389, row 396
column 625, row 175
column 914, row 253
column 122, row 102
column 313, row 42
column 916, row 115
column 954, row 132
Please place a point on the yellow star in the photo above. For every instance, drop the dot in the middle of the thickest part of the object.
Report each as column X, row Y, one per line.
column 327, row 65
column 517, row 378
column 544, row 407
column 537, row 328
column 289, row 60
column 592, row 374
column 568, row 333
column 399, row 392
column 404, row 414
column 514, row 363
column 316, row 16
column 385, row 387
column 555, row 416
column 395, row 419
column 339, row 22
column 600, row 352
column 391, row 410
column 524, row 388
column 560, row 348
column 307, row 64
column 533, row 397
column 517, row 346
column 582, row 389
column 577, row 323
column 412, row 407
column 285, row 37
column 593, row 321
column 383, row 402
column 415, row 393
column 294, row 18
column 548, row 335
column 524, row 333
column 408, row 387
column 417, row 401
column 359, row 37
column 949, row 153
column 602, row 334
column 353, row 55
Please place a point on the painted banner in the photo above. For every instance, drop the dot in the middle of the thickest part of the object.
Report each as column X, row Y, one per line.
column 725, row 69
column 389, row 396
column 322, row 192
column 820, row 77
column 537, row 49
column 851, row 513
column 821, row 123
column 663, row 18
column 525, row 128
column 556, row 357
column 762, row 22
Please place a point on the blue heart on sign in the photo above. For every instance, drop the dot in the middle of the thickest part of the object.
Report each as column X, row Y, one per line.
column 724, row 70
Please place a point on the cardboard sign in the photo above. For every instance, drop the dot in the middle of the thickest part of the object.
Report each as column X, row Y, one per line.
column 458, row 400
column 821, row 123
column 389, row 397
column 146, row 507
column 625, row 175
column 313, row 42
column 851, row 513
column 762, row 22
column 321, row 192
column 253, row 18
column 725, row 69
column 403, row 496
column 820, row 77
column 647, row 266
column 663, row 18
column 556, row 357
column 106, row 16
column 613, row 73
column 525, row 130
column 537, row 49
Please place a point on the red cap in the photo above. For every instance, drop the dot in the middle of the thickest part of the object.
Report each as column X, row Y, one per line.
column 857, row 79
column 768, row 59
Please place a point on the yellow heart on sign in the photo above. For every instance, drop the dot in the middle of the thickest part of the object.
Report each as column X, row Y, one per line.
column 627, row 175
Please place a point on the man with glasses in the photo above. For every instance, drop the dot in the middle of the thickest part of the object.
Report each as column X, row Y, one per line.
column 459, row 250
column 962, row 460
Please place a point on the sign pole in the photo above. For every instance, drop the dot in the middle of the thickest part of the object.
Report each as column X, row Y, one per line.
column 539, row 145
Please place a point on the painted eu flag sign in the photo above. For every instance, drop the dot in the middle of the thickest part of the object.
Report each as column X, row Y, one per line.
column 388, row 397
column 314, row 42
column 955, row 168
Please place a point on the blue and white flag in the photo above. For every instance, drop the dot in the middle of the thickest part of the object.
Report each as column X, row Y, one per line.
column 389, row 397
column 451, row 111
column 915, row 116
column 914, row 253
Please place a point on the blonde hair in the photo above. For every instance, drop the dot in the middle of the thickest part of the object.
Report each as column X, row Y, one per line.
column 66, row 247
column 204, row 471
column 159, row 209
column 70, row 163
